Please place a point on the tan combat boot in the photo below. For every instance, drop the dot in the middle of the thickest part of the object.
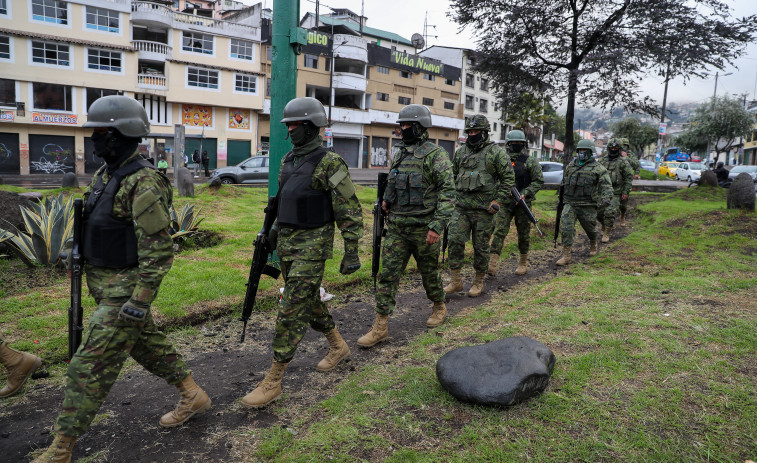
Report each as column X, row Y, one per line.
column 378, row 332
column 20, row 367
column 268, row 390
column 194, row 401
column 59, row 451
column 565, row 259
column 606, row 234
column 438, row 314
column 622, row 219
column 593, row 248
column 493, row 261
column 338, row 351
column 456, row 284
column 522, row 265
column 478, row 285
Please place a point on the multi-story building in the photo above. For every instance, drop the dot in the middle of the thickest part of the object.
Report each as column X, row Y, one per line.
column 57, row 57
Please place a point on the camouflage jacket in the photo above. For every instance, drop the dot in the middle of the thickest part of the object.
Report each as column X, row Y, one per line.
column 634, row 162
column 586, row 185
column 537, row 181
column 482, row 175
column 332, row 175
column 155, row 251
column 420, row 189
column 621, row 174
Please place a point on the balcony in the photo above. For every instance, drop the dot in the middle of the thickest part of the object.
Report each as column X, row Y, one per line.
column 351, row 47
column 149, row 13
column 344, row 80
column 154, row 51
column 152, row 81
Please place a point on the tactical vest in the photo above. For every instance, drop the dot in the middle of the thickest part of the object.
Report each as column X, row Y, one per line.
column 472, row 174
column 410, row 185
column 110, row 241
column 300, row 205
column 613, row 166
column 580, row 184
column 522, row 175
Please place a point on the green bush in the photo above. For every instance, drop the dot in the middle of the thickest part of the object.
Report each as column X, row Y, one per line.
column 185, row 223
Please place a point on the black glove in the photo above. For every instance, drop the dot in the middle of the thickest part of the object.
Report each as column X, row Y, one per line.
column 134, row 311
column 273, row 238
column 350, row 261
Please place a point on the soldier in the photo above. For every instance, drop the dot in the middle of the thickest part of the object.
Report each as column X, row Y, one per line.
column 315, row 190
column 633, row 160
column 418, row 201
column 20, row 366
column 483, row 179
column 583, row 181
column 621, row 176
column 529, row 180
column 127, row 250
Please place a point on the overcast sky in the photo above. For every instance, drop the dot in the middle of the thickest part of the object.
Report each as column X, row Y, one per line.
column 406, row 17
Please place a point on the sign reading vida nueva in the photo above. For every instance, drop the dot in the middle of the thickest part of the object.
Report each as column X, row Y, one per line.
column 54, row 118
column 417, row 62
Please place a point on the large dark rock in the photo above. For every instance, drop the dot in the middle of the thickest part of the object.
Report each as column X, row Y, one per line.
column 499, row 373
column 709, row 178
column 186, row 183
column 215, row 182
column 741, row 193
column 70, row 180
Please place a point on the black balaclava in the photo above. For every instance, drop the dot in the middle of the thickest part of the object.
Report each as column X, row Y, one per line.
column 410, row 135
column 113, row 147
column 304, row 133
column 516, row 147
column 475, row 140
column 613, row 152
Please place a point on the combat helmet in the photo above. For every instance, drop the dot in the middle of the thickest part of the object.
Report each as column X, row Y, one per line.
column 477, row 122
column 305, row 109
column 515, row 135
column 415, row 113
column 586, row 144
column 581, row 150
column 120, row 112
column 613, row 146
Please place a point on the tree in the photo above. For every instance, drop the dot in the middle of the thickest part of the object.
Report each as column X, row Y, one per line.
column 598, row 49
column 555, row 123
column 722, row 119
column 527, row 114
column 639, row 135
column 692, row 141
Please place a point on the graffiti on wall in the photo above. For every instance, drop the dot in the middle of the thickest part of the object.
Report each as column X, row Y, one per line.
column 379, row 152
column 51, row 154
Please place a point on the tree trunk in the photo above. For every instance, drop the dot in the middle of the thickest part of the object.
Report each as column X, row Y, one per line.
column 569, row 115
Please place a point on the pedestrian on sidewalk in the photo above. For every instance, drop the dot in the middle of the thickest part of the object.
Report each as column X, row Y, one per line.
column 205, row 161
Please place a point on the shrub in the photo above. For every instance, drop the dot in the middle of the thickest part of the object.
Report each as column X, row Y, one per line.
column 185, row 223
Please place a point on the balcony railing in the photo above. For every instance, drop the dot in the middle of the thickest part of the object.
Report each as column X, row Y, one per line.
column 152, row 47
column 151, row 81
column 178, row 19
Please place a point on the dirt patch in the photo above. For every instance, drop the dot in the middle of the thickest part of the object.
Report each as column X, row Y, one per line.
column 10, row 212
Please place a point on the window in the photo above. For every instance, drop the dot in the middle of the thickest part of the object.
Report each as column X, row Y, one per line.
column 4, row 7
column 51, row 11
column 404, row 100
column 197, row 43
column 7, row 92
column 50, row 53
column 5, row 47
column 449, row 105
column 469, row 80
column 483, row 106
column 449, row 82
column 311, row 61
column 427, row 76
column 241, row 49
column 382, row 96
column 469, row 102
column 428, row 101
column 95, row 93
column 268, row 87
column 52, row 96
column 204, row 78
column 101, row 19
column 104, row 60
column 158, row 110
column 405, row 74
column 268, row 53
column 495, row 127
column 382, row 69
column 485, row 84
column 245, row 83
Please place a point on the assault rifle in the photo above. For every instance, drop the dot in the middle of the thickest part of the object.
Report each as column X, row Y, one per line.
column 260, row 266
column 378, row 226
column 75, row 311
column 560, row 206
column 522, row 203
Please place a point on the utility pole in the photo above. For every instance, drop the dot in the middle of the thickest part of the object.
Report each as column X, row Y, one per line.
column 662, row 119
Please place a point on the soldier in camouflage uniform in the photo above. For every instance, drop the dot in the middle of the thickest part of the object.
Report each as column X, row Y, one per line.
column 418, row 201
column 483, row 179
column 621, row 176
column 20, row 366
column 529, row 179
column 315, row 190
column 127, row 250
column 585, row 183
column 633, row 160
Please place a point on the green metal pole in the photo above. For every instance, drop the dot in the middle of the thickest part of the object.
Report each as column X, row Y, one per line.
column 286, row 18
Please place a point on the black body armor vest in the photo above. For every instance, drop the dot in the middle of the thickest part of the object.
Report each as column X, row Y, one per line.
column 300, row 205
column 522, row 175
column 110, row 241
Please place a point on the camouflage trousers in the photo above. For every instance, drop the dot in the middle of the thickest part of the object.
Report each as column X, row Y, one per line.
column 106, row 344
column 476, row 224
column 624, row 205
column 586, row 215
column 399, row 244
column 606, row 214
column 502, row 226
column 301, row 306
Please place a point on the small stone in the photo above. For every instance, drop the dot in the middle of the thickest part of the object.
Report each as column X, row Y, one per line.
column 127, row 403
column 5, row 435
column 665, row 291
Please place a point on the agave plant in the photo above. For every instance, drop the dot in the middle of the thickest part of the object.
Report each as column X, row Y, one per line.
column 48, row 225
column 186, row 222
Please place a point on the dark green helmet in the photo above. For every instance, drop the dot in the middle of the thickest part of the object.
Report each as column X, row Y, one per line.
column 305, row 109
column 515, row 135
column 415, row 113
column 624, row 142
column 613, row 143
column 586, row 144
column 120, row 112
column 477, row 122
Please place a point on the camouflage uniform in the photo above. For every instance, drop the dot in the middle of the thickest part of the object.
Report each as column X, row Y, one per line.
column 304, row 252
column 108, row 341
column 583, row 187
column 621, row 177
column 633, row 160
column 509, row 210
column 419, row 202
column 482, row 174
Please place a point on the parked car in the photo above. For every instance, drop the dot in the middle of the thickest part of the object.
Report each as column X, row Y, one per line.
column 552, row 172
column 647, row 165
column 689, row 171
column 251, row 170
column 668, row 169
column 751, row 170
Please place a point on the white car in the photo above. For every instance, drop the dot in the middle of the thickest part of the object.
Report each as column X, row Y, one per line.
column 552, row 172
column 751, row 170
column 689, row 171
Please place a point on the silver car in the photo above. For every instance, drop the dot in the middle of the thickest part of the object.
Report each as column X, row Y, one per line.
column 751, row 170
column 252, row 170
column 552, row 172
column 689, row 171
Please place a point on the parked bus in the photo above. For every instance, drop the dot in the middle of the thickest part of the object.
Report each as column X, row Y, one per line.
column 675, row 154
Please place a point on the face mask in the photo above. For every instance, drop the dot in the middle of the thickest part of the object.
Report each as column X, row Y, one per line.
column 104, row 143
column 614, row 153
column 299, row 135
column 409, row 135
column 583, row 156
column 516, row 147
column 474, row 140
